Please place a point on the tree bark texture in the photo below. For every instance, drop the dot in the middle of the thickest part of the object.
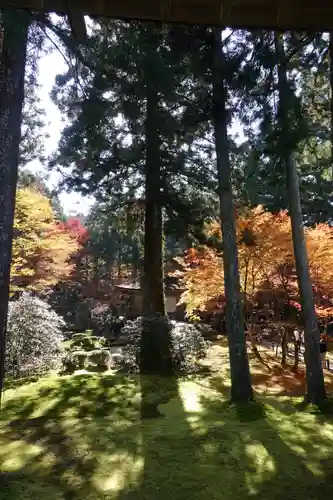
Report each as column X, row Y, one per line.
column 315, row 380
column 14, row 25
column 284, row 346
column 241, row 387
column 330, row 51
column 153, row 293
column 297, row 348
column 155, row 346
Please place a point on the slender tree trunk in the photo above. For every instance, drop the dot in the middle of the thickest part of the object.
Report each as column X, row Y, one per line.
column 297, row 348
column 253, row 340
column 330, row 50
column 315, row 381
column 136, row 258
column 132, row 226
column 14, row 26
column 284, row 346
column 241, row 388
column 134, row 272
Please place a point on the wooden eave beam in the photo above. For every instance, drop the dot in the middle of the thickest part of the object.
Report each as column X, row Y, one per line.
column 77, row 24
column 314, row 15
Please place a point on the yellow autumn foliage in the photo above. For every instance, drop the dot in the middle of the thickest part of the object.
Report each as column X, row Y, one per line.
column 41, row 251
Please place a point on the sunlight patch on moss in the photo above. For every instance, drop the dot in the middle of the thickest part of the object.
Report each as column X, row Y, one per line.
column 15, row 455
column 190, row 395
column 305, row 437
column 202, row 445
column 262, row 467
column 315, row 468
column 124, row 472
column 45, row 406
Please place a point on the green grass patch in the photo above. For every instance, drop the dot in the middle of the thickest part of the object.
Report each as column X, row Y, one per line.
column 82, row 437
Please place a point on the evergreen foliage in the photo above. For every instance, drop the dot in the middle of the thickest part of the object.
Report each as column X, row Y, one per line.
column 34, row 337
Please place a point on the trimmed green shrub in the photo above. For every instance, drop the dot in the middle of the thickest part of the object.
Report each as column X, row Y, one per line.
column 106, row 324
column 186, row 343
column 86, row 342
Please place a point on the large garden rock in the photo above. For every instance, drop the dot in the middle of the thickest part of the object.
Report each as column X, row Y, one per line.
column 99, row 360
column 80, row 359
column 75, row 360
column 117, row 359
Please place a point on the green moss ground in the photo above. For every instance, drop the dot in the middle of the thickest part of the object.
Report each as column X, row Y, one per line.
column 81, row 437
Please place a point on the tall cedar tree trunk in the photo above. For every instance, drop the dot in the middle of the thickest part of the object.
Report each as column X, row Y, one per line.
column 315, row 381
column 155, row 347
column 14, row 26
column 241, row 388
column 153, row 293
column 330, row 50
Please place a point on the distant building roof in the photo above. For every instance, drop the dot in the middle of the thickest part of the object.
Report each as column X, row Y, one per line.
column 134, row 286
column 129, row 285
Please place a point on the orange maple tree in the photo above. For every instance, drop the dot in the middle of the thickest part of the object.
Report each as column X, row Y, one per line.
column 266, row 264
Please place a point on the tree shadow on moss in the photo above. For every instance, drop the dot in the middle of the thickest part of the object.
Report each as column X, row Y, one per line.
column 67, row 427
column 66, row 396
column 14, row 383
column 166, row 435
column 278, row 457
column 324, row 409
column 69, row 471
column 89, row 433
column 167, row 446
column 256, row 451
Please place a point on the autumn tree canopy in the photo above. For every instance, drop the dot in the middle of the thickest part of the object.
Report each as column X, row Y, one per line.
column 41, row 247
column 266, row 263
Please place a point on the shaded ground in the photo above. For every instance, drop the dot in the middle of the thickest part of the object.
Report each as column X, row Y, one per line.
column 269, row 378
column 81, row 437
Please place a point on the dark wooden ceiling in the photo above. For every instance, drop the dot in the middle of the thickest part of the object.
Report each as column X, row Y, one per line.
column 269, row 14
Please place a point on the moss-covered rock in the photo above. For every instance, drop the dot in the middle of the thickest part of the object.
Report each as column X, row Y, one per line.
column 99, row 360
column 68, row 366
column 73, row 361
column 80, row 359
